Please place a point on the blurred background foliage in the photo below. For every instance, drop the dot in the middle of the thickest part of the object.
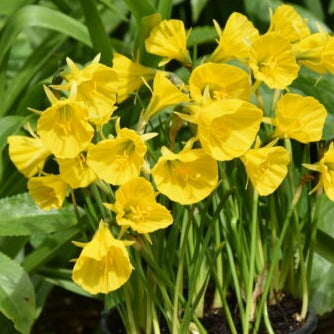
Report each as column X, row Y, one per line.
column 36, row 36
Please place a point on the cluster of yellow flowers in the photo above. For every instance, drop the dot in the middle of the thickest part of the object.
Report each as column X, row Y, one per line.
column 216, row 99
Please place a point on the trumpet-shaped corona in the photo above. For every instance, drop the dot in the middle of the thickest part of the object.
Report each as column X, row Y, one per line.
column 103, row 264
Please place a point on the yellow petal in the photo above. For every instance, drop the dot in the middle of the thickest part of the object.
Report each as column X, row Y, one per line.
column 186, row 177
column 300, row 117
column 118, row 160
column 221, row 80
column 28, row 154
column 168, row 39
column 48, row 191
column 104, row 264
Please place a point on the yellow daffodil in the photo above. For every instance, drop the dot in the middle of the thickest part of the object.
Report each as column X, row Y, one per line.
column 165, row 94
column 309, row 51
column 28, row 154
column 64, row 128
column 135, row 206
column 236, row 39
column 218, row 81
column 326, row 169
column 327, row 55
column 169, row 39
column 47, row 191
column 96, row 86
column 272, row 61
column 186, row 177
column 299, row 117
column 289, row 24
column 227, row 128
column 130, row 75
column 75, row 172
column 104, row 264
column 266, row 167
column 118, row 160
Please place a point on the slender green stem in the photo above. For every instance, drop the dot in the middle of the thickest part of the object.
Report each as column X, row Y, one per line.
column 98, row 198
column 267, row 320
column 251, row 274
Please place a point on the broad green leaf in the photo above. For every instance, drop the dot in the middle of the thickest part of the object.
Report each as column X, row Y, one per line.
column 324, row 245
column 196, row 8
column 19, row 216
column 201, row 35
column 43, row 17
column 328, row 133
column 99, row 37
column 314, row 84
column 9, row 125
column 9, row 6
column 322, row 285
column 315, row 7
column 17, row 296
column 165, row 8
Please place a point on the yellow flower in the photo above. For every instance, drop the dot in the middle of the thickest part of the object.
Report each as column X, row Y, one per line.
column 236, row 39
column 137, row 208
column 168, row 39
column 95, row 87
column 104, row 264
column 48, row 192
column 266, row 167
column 309, row 51
column 227, row 128
column 219, row 81
column 327, row 55
column 186, row 177
column 326, row 169
column 299, row 117
column 75, row 172
column 64, row 128
column 165, row 94
column 118, row 160
column 289, row 24
column 130, row 75
column 28, row 154
column 272, row 61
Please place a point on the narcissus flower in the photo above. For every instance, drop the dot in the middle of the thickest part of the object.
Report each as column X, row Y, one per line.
column 75, row 172
column 236, row 39
column 326, row 169
column 64, row 128
column 136, row 207
column 266, row 167
column 48, row 191
column 299, row 117
column 28, row 154
column 218, row 81
column 130, row 75
column 327, row 55
column 118, row 160
column 227, row 128
column 309, row 51
column 272, row 61
column 165, row 94
column 289, row 24
column 104, row 264
column 186, row 177
column 168, row 39
column 95, row 86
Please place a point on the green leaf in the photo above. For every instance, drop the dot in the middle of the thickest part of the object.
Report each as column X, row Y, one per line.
column 17, row 296
column 43, row 17
column 315, row 7
column 331, row 7
column 9, row 6
column 19, row 216
column 165, row 8
column 314, row 84
column 99, row 37
column 324, row 246
column 139, row 9
column 9, row 125
column 201, row 35
column 322, row 285
column 196, row 8
column 328, row 133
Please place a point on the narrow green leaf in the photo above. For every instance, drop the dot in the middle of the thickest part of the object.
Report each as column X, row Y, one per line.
column 315, row 7
column 331, row 7
column 196, row 8
column 43, row 17
column 17, row 296
column 99, row 37
column 50, row 247
column 328, row 133
column 9, row 6
column 19, row 216
column 9, row 125
column 165, row 8
column 139, row 9
column 201, row 35
column 324, row 246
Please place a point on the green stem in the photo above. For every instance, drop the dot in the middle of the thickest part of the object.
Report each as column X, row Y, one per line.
column 251, row 274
